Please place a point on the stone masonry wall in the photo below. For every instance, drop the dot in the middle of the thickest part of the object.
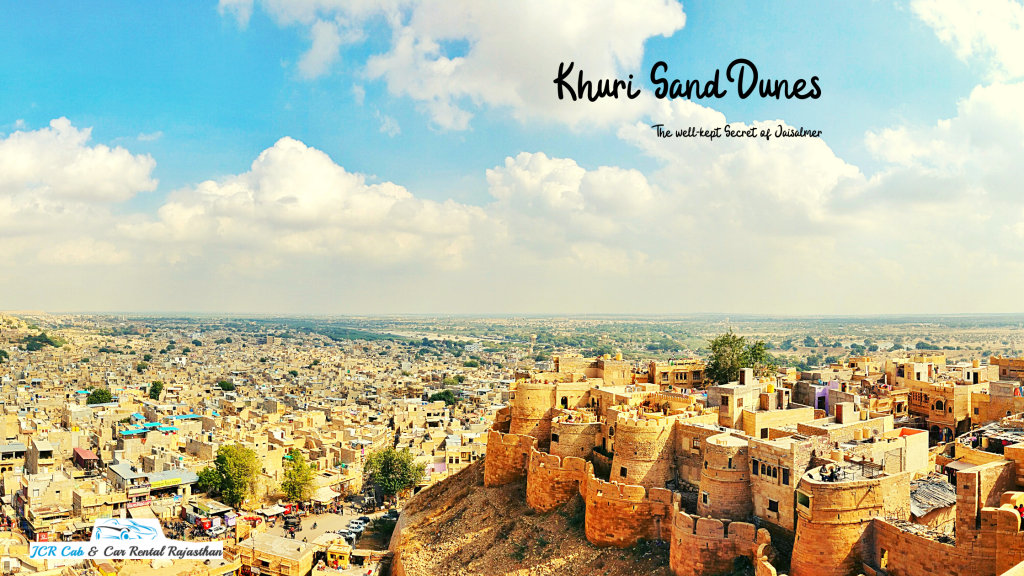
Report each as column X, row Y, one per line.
column 574, row 438
column 643, row 449
column 710, row 546
column 619, row 515
column 507, row 458
column 552, row 481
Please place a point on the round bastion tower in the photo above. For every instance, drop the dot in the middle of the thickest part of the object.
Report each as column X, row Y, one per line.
column 642, row 451
column 574, row 438
column 725, row 479
column 532, row 409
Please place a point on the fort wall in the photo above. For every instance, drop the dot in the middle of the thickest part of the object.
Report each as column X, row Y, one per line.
column 532, row 408
column 507, row 458
column 725, row 479
column 834, row 516
column 552, row 481
column 643, row 451
column 575, row 439
column 710, row 546
column 619, row 515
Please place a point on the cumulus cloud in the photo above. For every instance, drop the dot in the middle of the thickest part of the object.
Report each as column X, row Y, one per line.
column 56, row 162
column 296, row 202
column 455, row 57
column 992, row 30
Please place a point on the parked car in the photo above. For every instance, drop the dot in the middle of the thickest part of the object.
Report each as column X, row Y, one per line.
column 391, row 514
column 216, row 531
column 364, row 519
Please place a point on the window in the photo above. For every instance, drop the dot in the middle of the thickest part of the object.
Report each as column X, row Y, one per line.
column 565, row 401
column 883, row 559
column 785, row 476
column 730, row 463
column 763, row 469
column 739, row 402
column 705, row 464
column 803, row 499
column 611, row 432
column 696, row 442
column 773, row 506
column 725, row 400
column 775, row 472
column 764, row 433
column 512, row 396
column 554, row 437
column 704, row 498
column 753, row 467
column 975, row 411
column 622, row 471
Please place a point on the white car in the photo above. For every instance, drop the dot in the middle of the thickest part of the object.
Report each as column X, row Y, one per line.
column 216, row 531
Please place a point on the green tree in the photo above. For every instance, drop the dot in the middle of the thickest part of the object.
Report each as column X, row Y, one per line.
column 155, row 389
column 197, row 343
column 209, row 480
column 237, row 467
column 294, row 373
column 298, row 477
column 3, row 356
column 447, row 395
column 730, row 353
column 226, row 386
column 147, row 357
column 726, row 360
column 393, row 470
column 141, row 367
column 99, row 396
column 471, row 364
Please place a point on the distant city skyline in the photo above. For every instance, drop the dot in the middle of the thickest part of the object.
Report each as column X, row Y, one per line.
column 412, row 157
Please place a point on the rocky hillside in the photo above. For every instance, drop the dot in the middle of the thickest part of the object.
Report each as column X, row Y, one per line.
column 459, row 527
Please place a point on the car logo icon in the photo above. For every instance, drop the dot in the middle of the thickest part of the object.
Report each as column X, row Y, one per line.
column 115, row 529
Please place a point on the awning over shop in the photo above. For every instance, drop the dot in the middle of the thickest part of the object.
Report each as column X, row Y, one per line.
column 141, row 512
column 325, row 494
column 271, row 511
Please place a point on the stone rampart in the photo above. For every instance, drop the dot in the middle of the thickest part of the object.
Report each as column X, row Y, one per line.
column 552, row 481
column 619, row 515
column 710, row 546
column 574, row 438
column 830, row 533
column 643, row 453
column 532, row 409
column 507, row 458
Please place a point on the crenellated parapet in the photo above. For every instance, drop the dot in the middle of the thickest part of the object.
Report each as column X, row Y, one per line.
column 643, row 450
column 620, row 514
column 552, row 481
column 710, row 546
column 507, row 457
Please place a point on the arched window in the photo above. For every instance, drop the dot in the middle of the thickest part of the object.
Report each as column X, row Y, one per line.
column 565, row 401
column 939, row 405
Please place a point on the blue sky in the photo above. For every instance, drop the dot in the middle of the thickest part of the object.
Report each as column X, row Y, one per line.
column 213, row 91
column 220, row 95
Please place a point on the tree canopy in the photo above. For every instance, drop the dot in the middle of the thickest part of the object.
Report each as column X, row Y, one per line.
column 298, row 477
column 393, row 470
column 155, row 389
column 233, row 475
column 447, row 395
column 99, row 396
column 226, row 385
column 730, row 353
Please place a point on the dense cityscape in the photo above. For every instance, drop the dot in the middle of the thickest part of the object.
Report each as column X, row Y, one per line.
column 696, row 445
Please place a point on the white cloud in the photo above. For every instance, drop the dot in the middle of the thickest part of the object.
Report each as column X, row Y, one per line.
column 512, row 52
column 57, row 163
column 151, row 137
column 359, row 94
column 323, row 52
column 989, row 29
column 388, row 125
column 297, row 203
column 240, row 9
